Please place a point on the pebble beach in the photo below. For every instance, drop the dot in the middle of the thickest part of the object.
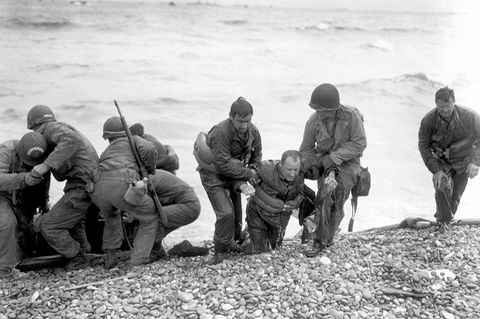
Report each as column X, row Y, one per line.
column 405, row 273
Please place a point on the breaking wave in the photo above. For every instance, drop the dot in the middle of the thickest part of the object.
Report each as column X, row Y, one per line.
column 40, row 21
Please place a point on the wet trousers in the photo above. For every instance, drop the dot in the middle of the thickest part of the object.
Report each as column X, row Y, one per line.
column 63, row 227
column 10, row 251
column 227, row 205
column 266, row 230
column 108, row 196
column 329, row 210
column 179, row 202
column 448, row 195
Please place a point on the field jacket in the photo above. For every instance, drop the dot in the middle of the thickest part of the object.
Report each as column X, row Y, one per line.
column 235, row 153
column 437, row 134
column 346, row 145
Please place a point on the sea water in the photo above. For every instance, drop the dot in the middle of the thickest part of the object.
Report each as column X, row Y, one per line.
column 178, row 68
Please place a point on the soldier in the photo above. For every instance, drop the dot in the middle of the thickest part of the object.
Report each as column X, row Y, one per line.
column 72, row 159
column 167, row 158
column 448, row 142
column 333, row 141
column 117, row 172
column 227, row 158
column 280, row 190
column 179, row 203
column 22, row 193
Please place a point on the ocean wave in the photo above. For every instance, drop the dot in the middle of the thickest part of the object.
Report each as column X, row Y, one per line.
column 325, row 26
column 381, row 45
column 234, row 22
column 40, row 22
column 405, row 30
column 168, row 100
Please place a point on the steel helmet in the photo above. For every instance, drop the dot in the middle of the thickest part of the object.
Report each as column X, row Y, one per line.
column 325, row 96
column 32, row 148
column 113, row 128
column 39, row 114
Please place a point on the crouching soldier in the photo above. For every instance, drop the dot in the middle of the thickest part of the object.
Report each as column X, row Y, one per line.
column 279, row 191
column 72, row 159
column 21, row 194
column 117, row 172
column 179, row 203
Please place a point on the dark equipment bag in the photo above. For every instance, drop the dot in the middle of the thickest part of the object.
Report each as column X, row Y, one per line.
column 362, row 187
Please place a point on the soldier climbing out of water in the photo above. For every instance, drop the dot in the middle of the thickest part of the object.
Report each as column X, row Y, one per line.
column 228, row 157
column 22, row 193
column 448, row 141
column 333, row 141
column 72, row 159
column 118, row 187
column 279, row 191
column 167, row 158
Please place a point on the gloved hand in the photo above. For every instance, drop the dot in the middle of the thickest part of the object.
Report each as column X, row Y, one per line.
column 247, row 189
column 438, row 177
column 40, row 169
column 326, row 162
column 32, row 179
column 472, row 170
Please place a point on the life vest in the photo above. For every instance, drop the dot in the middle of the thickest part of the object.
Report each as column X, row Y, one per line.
column 267, row 202
column 203, row 153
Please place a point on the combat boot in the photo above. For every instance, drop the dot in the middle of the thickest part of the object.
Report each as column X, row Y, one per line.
column 315, row 251
column 111, row 259
column 158, row 252
column 77, row 262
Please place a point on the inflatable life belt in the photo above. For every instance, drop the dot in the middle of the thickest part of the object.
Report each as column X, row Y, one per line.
column 203, row 153
column 267, row 202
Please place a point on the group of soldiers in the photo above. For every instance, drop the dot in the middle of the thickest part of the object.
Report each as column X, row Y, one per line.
column 230, row 164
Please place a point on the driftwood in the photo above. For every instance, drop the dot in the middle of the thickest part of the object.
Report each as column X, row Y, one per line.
column 417, row 223
column 59, row 261
column 95, row 283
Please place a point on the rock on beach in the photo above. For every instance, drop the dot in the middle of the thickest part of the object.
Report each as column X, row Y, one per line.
column 404, row 273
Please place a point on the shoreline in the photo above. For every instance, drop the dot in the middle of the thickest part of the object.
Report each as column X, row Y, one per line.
column 403, row 273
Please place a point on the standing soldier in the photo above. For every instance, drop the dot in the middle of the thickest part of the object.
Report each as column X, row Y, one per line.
column 72, row 159
column 227, row 159
column 21, row 194
column 118, row 171
column 333, row 141
column 448, row 141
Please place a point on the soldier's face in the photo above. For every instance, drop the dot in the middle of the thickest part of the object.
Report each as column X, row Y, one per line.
column 241, row 123
column 445, row 108
column 290, row 168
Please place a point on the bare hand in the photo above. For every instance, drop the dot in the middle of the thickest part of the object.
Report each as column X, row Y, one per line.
column 437, row 179
column 247, row 189
column 40, row 169
column 32, row 179
column 330, row 182
column 472, row 170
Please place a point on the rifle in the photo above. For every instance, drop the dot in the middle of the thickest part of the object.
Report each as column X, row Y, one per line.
column 143, row 171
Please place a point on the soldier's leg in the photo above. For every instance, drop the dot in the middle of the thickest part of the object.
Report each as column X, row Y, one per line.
column 443, row 200
column 257, row 229
column 459, row 184
column 8, row 240
column 345, row 181
column 64, row 215
column 236, row 198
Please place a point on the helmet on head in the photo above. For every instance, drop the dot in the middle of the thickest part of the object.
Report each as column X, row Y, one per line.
column 39, row 114
column 113, row 128
column 32, row 148
column 325, row 96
